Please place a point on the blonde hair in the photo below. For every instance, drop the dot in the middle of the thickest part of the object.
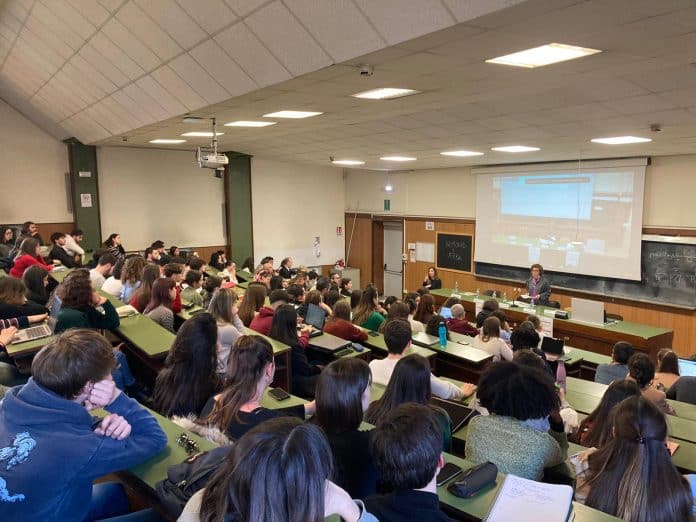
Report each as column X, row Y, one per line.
column 220, row 306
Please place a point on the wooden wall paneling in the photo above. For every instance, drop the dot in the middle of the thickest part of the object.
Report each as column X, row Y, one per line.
column 359, row 246
column 46, row 229
column 378, row 255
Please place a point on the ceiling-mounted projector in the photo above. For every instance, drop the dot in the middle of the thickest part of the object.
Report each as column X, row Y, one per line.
column 208, row 157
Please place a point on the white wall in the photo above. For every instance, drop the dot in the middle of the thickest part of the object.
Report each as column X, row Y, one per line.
column 33, row 163
column 291, row 205
column 149, row 194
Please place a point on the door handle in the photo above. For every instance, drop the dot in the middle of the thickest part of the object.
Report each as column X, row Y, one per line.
column 385, row 266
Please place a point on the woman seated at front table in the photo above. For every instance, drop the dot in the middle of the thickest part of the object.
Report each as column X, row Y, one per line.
column 432, row 280
column 250, row 371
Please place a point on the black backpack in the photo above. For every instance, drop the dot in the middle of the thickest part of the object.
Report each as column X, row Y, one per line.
column 185, row 479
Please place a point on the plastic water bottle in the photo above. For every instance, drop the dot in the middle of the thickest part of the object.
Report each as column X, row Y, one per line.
column 456, row 287
column 477, row 292
column 442, row 333
column 505, row 297
column 495, row 294
column 561, row 375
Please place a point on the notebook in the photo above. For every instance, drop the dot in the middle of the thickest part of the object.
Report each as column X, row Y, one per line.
column 524, row 500
column 425, row 340
column 459, row 414
column 126, row 311
column 32, row 333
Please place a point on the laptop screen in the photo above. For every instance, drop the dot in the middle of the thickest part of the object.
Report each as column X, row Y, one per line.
column 687, row 367
column 315, row 316
column 446, row 312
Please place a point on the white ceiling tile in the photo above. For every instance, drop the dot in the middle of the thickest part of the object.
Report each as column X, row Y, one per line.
column 146, row 103
column 465, row 10
column 198, row 78
column 110, row 51
column 338, row 26
column 121, row 99
column 111, row 5
column 173, row 19
column 252, row 56
column 130, row 121
column 102, row 64
column 178, row 87
column 13, row 22
column 69, row 78
column 147, row 31
column 55, row 93
column 72, row 18
column 211, row 15
column 91, row 10
column 53, row 109
column 167, row 100
column 57, row 26
column 244, row 7
column 38, row 30
column 20, row 8
column 31, row 54
column 85, row 129
column 107, row 119
column 280, row 32
column 128, row 42
column 93, row 74
column 75, row 75
column 225, row 71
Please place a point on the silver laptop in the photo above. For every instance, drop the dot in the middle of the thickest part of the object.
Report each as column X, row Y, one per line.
column 32, row 333
column 425, row 340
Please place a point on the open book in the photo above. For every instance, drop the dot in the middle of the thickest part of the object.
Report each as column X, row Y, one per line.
column 524, row 500
column 126, row 311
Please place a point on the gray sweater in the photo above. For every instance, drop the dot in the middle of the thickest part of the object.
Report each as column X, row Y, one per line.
column 163, row 316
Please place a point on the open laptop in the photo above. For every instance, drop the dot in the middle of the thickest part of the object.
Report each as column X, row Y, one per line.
column 687, row 367
column 446, row 312
column 554, row 346
column 458, row 413
column 315, row 317
column 424, row 340
column 32, row 333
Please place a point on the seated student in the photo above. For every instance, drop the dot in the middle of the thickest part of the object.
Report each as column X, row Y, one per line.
column 433, row 326
column 536, row 322
column 284, row 329
column 164, row 256
column 13, row 300
column 35, row 279
column 152, row 255
column 342, row 396
column 262, row 321
column 190, row 294
column 525, row 337
column 632, row 476
column 346, row 286
column 113, row 285
column 230, row 272
column 58, row 253
column 250, row 371
column 188, row 377
column 596, row 429
column 7, row 241
column 159, row 309
column 295, row 462
column 223, row 308
column 323, row 285
column 276, row 283
column 175, row 272
column 174, row 251
column 312, row 278
column 410, row 382
column 266, row 264
column 339, row 324
column 56, row 449
column 55, row 300
column 312, row 297
column 355, row 296
column 505, row 330
column 113, row 245
column 29, row 255
column 397, row 337
column 218, row 260
column 432, row 281
column 300, row 279
column 131, row 277
column 425, row 309
column 254, row 299
column 210, row 286
column 368, row 313
column 331, row 298
column 99, row 273
column 334, row 280
column 416, row 326
column 423, row 291
column 141, row 297
column 30, row 230
column 618, row 367
column 193, row 262
column 489, row 306
column 286, row 271
column 684, row 390
column 489, row 340
column 458, row 322
column 642, row 370
column 399, row 310
column 524, row 432
column 667, row 369
column 263, row 277
column 83, row 307
column 296, row 293
column 407, row 450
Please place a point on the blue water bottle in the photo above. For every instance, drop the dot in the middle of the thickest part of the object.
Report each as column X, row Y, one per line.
column 442, row 332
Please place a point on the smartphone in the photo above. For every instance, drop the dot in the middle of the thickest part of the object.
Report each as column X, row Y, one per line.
column 372, row 334
column 447, row 473
column 279, row 394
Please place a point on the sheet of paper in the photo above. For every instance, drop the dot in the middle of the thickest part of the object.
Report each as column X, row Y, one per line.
column 546, row 325
column 524, row 500
column 425, row 252
column 85, row 200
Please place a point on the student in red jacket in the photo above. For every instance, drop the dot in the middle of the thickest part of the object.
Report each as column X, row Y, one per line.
column 29, row 255
column 175, row 272
column 263, row 320
column 459, row 324
column 339, row 324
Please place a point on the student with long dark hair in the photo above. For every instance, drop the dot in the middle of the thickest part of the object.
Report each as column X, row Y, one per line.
column 339, row 324
column 278, row 472
column 667, row 372
column 159, row 309
column 36, row 280
column 632, row 476
column 410, row 382
column 113, row 245
column 432, row 281
column 188, row 378
column 141, row 297
column 399, row 310
column 13, row 300
column 253, row 301
column 425, row 309
column 284, row 329
column 641, row 369
column 489, row 340
column 7, row 241
column 368, row 312
column 250, row 371
column 489, row 306
column 29, row 255
column 342, row 396
column 596, row 429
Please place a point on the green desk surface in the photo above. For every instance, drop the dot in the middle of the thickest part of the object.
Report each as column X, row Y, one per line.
column 243, row 285
column 318, row 342
column 2, row 273
column 267, row 401
column 210, row 270
column 59, row 275
column 30, row 347
column 623, row 327
column 585, row 355
column 186, row 314
column 462, row 351
column 278, row 347
column 147, row 335
column 376, row 343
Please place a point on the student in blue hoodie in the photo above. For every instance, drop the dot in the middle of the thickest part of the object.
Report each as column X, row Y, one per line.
column 52, row 449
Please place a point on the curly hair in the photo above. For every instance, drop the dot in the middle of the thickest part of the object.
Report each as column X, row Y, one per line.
column 77, row 292
column 133, row 269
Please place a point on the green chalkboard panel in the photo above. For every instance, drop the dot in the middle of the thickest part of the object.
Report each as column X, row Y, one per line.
column 668, row 276
column 454, row 252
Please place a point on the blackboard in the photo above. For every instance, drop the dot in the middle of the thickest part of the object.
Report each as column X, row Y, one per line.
column 668, row 276
column 454, row 252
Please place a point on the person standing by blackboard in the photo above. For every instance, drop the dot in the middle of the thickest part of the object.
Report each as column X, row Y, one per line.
column 432, row 281
column 538, row 287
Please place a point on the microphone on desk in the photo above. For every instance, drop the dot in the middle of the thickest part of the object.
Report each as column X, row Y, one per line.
column 514, row 299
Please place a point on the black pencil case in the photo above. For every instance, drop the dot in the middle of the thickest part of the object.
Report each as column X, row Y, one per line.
column 474, row 480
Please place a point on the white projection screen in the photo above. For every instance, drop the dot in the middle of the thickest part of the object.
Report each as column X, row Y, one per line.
column 585, row 219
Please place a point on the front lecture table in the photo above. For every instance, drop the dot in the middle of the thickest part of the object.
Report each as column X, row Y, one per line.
column 599, row 339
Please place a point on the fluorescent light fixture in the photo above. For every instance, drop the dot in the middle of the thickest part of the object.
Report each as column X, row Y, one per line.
column 385, row 93
column 398, row 158
column 202, row 134
column 163, row 141
column 292, row 114
column 348, row 162
column 388, row 187
column 544, row 55
column 250, row 123
column 461, row 153
column 516, row 148
column 620, row 140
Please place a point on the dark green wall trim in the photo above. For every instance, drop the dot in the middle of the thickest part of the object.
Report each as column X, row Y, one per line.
column 238, row 215
column 83, row 159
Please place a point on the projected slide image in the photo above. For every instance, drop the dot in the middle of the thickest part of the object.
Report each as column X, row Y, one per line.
column 554, row 196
